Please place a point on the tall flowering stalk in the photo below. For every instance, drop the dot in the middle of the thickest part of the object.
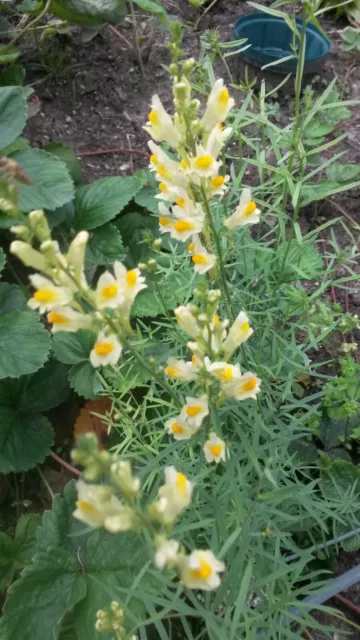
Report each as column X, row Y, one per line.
column 188, row 184
column 187, row 187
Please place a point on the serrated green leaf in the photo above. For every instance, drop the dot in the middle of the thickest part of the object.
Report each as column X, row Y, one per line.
column 89, row 12
column 45, row 389
column 25, row 539
column 6, row 560
column 72, row 348
column 84, row 379
column 56, row 577
column 146, row 198
column 338, row 479
column 25, row 440
column 29, row 6
column 20, row 144
column 351, row 544
column 51, row 182
column 12, row 298
column 62, row 214
column 102, row 200
column 339, row 172
column 105, row 245
column 317, row 129
column 68, row 157
column 13, row 76
column 132, row 227
column 9, row 53
column 13, row 114
column 151, row 6
column 330, row 430
column 24, row 344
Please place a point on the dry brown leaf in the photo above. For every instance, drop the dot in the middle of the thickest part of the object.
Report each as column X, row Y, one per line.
column 87, row 422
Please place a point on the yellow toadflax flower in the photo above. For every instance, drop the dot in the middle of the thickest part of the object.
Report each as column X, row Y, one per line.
column 107, row 350
column 195, row 410
column 131, row 282
column 216, row 140
column 108, row 292
column 218, row 185
column 179, row 428
column 247, row 386
column 166, row 554
column 218, row 106
column 187, row 223
column 200, row 570
column 245, row 213
column 239, row 332
column 202, row 259
column 160, row 125
column 48, row 296
column 204, row 165
column 215, row 449
column 173, row 496
column 181, row 370
column 166, row 169
column 223, row 371
column 98, row 507
column 186, row 321
column 66, row 319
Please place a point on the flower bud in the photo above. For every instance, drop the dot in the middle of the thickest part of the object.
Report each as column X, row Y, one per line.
column 173, row 69
column 22, row 232
column 156, row 245
column 50, row 249
column 195, row 104
column 8, row 208
column 76, row 254
column 122, row 477
column 39, row 225
column 182, row 91
column 29, row 256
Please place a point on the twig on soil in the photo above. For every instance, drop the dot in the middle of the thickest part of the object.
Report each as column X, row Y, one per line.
column 136, row 39
column 99, row 152
column 348, row 603
column 346, row 214
column 120, row 35
column 46, row 484
column 307, row 634
column 131, row 158
column 65, row 464
column 347, row 76
column 332, row 288
column 203, row 14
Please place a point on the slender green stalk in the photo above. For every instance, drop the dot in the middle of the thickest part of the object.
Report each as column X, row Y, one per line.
column 297, row 130
column 227, row 298
column 136, row 40
column 45, row 482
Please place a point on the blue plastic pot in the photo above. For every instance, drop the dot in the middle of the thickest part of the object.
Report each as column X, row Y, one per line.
column 270, row 39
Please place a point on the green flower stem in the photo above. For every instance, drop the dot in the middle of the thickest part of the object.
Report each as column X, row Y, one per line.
column 297, row 130
column 224, row 285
